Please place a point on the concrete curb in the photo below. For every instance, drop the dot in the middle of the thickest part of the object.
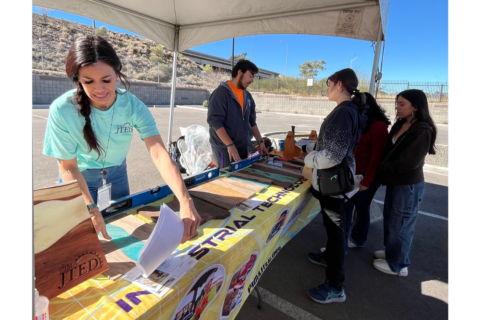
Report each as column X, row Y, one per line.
column 443, row 171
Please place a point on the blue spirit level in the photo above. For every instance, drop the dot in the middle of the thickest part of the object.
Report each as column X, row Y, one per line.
column 154, row 194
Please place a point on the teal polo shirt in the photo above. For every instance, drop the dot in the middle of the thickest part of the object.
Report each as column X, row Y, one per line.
column 64, row 134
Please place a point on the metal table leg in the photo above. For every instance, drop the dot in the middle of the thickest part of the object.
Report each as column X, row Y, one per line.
column 259, row 296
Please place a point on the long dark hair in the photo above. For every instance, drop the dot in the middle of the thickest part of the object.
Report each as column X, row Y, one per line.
column 86, row 51
column 374, row 112
column 350, row 83
column 418, row 99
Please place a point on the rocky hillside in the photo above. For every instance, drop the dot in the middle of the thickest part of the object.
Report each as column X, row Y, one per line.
column 142, row 59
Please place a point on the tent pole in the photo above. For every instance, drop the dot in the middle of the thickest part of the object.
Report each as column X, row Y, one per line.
column 376, row 59
column 172, row 94
column 233, row 52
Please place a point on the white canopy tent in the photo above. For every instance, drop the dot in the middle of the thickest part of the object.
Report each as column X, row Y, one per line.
column 183, row 24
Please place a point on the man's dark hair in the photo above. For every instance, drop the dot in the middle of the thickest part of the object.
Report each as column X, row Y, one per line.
column 244, row 65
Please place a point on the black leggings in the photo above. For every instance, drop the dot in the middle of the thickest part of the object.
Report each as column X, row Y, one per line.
column 333, row 212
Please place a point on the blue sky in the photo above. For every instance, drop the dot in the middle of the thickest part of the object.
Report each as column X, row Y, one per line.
column 416, row 48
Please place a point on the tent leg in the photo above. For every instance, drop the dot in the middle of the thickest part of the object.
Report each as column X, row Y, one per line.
column 376, row 59
column 259, row 296
column 172, row 94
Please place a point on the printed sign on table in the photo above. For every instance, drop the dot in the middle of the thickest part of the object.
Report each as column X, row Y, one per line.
column 203, row 291
column 278, row 225
column 233, row 298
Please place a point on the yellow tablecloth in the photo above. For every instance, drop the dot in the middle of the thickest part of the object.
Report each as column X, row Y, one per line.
column 238, row 249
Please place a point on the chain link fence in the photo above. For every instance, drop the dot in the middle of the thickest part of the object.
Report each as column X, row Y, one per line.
column 435, row 91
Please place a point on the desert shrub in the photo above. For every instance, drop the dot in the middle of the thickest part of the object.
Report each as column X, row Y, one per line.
column 158, row 51
column 208, row 68
column 102, row 31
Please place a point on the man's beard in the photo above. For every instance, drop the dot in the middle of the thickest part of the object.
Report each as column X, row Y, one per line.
column 240, row 84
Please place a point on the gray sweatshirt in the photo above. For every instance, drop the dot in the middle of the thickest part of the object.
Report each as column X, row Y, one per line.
column 225, row 111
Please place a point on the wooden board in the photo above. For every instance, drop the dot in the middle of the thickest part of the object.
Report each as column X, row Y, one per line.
column 218, row 196
column 64, row 191
column 263, row 185
column 206, row 210
column 276, row 169
column 277, row 179
column 245, row 188
column 75, row 258
column 129, row 234
column 252, row 177
column 292, row 166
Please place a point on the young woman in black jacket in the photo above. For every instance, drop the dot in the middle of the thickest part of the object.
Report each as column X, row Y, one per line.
column 410, row 139
column 338, row 137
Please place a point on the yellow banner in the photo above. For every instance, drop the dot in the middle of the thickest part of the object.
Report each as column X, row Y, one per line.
column 232, row 255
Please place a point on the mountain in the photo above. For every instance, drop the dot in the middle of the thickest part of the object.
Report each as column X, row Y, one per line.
column 142, row 59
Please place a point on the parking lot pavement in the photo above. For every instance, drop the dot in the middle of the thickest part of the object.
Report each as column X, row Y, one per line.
column 370, row 294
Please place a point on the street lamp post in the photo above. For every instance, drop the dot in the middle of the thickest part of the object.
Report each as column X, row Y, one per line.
column 41, row 48
column 286, row 63
column 353, row 60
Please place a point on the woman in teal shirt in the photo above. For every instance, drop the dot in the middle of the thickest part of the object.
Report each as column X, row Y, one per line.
column 90, row 128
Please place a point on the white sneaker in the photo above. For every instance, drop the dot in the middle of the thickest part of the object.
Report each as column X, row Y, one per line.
column 380, row 254
column 385, row 268
column 351, row 244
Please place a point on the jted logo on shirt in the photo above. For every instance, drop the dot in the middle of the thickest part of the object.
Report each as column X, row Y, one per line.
column 124, row 128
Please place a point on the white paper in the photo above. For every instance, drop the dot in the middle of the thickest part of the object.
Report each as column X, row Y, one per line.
column 164, row 277
column 303, row 142
column 249, row 204
column 165, row 238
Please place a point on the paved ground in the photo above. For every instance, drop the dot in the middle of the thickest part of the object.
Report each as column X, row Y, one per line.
column 370, row 294
column 146, row 175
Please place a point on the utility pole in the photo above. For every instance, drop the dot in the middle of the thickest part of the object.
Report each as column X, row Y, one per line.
column 352, row 61
column 41, row 48
column 286, row 63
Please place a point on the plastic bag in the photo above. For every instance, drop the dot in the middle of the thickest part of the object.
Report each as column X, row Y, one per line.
column 198, row 154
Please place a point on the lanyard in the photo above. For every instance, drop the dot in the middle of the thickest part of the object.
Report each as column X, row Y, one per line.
column 104, row 172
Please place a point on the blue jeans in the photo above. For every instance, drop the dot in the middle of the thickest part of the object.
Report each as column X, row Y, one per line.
column 400, row 213
column 361, row 201
column 116, row 175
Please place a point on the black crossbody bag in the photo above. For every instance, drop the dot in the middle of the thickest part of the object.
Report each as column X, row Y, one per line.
column 337, row 180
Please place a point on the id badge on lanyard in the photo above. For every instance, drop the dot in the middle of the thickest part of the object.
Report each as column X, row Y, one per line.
column 104, row 195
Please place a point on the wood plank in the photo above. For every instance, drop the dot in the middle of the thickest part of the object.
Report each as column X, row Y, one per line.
column 242, row 184
column 277, row 179
column 248, row 176
column 225, row 190
column 75, row 258
column 290, row 165
column 64, row 191
column 118, row 262
column 262, row 185
column 220, row 200
column 276, row 169
column 206, row 210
